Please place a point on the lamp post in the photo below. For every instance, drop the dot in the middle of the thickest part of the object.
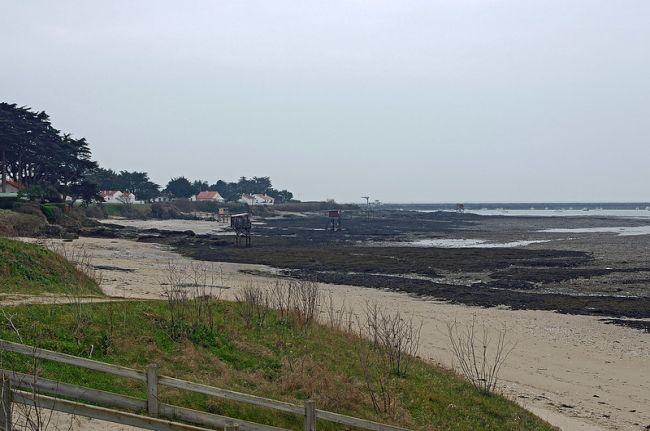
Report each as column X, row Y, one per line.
column 367, row 198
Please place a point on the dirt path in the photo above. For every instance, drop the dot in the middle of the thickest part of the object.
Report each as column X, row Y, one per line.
column 20, row 299
column 575, row 371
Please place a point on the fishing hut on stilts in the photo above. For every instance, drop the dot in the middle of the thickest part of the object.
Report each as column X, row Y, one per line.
column 241, row 224
column 334, row 223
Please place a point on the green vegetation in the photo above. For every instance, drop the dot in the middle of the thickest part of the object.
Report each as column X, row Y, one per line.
column 133, row 211
column 13, row 223
column 176, row 209
column 272, row 357
column 52, row 164
column 134, row 182
column 33, row 269
column 232, row 191
column 144, row 189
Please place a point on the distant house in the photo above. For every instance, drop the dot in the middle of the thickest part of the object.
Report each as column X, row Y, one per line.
column 11, row 188
column 117, row 197
column 207, row 196
column 257, row 199
column 162, row 198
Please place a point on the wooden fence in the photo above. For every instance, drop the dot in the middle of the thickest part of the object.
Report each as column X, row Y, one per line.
column 30, row 390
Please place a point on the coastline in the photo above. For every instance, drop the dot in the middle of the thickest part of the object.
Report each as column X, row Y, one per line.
column 574, row 371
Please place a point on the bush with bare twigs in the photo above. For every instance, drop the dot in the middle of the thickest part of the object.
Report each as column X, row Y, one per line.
column 480, row 352
column 296, row 300
column 339, row 317
column 393, row 343
column 253, row 305
column 86, row 273
column 398, row 338
column 191, row 290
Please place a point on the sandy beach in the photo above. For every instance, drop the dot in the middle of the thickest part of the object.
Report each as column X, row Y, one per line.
column 575, row 371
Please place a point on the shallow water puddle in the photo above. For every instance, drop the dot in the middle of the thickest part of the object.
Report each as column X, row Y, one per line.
column 621, row 231
column 458, row 243
column 467, row 243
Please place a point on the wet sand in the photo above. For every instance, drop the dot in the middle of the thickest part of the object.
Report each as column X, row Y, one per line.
column 575, row 371
column 198, row 226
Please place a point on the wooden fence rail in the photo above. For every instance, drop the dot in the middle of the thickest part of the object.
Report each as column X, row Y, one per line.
column 101, row 413
column 32, row 386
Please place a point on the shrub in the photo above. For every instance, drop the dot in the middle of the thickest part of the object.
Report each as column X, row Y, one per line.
column 480, row 352
column 164, row 211
column 133, row 211
column 7, row 203
column 33, row 193
column 17, row 224
column 29, row 208
column 253, row 305
column 189, row 290
column 53, row 212
column 95, row 211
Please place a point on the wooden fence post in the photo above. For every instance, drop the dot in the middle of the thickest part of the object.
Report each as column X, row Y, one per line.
column 310, row 415
column 231, row 426
column 152, row 390
column 5, row 404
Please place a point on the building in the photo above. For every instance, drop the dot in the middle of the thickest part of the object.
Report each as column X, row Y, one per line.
column 257, row 199
column 162, row 198
column 117, row 197
column 11, row 188
column 207, row 196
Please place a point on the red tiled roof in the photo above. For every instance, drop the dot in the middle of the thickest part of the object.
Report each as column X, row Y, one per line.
column 13, row 183
column 208, row 195
column 105, row 193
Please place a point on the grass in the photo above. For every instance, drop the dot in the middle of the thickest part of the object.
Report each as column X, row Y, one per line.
column 33, row 269
column 137, row 211
column 276, row 359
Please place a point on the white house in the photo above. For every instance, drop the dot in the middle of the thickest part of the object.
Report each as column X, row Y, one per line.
column 117, row 197
column 257, row 199
column 207, row 196
column 11, row 187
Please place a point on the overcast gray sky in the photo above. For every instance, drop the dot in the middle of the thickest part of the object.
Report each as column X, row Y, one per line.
column 406, row 101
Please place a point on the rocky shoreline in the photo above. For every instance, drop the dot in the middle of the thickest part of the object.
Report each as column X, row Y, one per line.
column 532, row 278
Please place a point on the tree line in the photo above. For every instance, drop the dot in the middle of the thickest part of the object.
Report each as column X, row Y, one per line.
column 54, row 166
column 231, row 191
column 143, row 188
column 51, row 163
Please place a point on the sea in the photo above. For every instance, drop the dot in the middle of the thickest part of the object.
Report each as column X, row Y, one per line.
column 551, row 209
